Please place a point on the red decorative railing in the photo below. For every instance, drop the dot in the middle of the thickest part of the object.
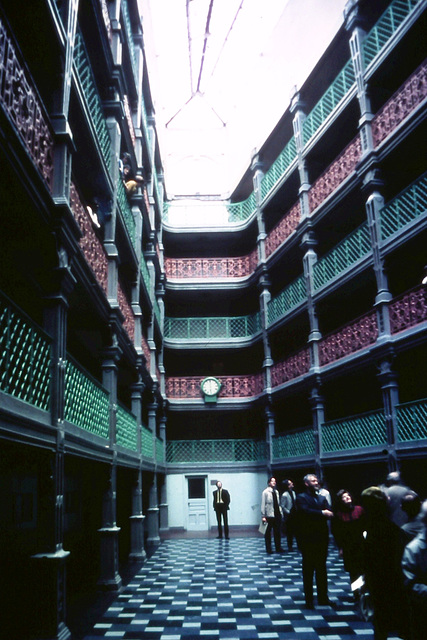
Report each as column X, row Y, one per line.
column 146, row 351
column 106, row 17
column 335, row 174
column 400, row 105
column 291, row 368
column 23, row 106
column 129, row 119
column 349, row 339
column 126, row 309
column 408, row 309
column 90, row 244
column 232, row 386
column 283, row 229
column 239, row 267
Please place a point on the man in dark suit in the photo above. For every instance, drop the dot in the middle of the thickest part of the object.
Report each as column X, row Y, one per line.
column 221, row 505
column 313, row 535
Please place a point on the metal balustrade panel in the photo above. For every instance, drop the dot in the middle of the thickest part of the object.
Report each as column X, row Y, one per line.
column 366, row 430
column 412, row 420
column 126, row 428
column 147, row 444
column 278, row 168
column 209, row 328
column 386, row 26
column 160, row 450
column 25, row 356
column 329, row 101
column 93, row 101
column 292, row 445
column 404, row 208
column 344, row 255
column 86, row 402
column 242, row 211
column 126, row 211
column 240, row 450
column 288, row 299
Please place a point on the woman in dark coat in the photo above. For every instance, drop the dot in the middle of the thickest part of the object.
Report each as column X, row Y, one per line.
column 347, row 529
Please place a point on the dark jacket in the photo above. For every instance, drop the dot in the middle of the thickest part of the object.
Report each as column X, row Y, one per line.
column 312, row 526
column 225, row 499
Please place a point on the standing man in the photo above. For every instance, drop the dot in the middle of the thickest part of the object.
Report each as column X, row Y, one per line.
column 313, row 537
column 288, row 504
column 221, row 504
column 271, row 513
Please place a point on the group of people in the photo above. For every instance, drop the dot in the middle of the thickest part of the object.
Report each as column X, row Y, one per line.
column 384, row 539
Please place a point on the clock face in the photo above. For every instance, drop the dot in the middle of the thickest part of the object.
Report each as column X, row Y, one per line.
column 210, row 386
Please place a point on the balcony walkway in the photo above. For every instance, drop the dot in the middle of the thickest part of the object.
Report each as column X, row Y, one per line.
column 195, row 586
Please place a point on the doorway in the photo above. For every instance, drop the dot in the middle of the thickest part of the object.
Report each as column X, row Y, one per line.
column 197, row 508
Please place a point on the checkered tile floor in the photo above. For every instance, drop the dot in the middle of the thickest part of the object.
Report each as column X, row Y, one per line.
column 219, row 590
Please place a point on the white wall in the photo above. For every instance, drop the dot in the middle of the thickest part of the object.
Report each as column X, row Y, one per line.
column 245, row 491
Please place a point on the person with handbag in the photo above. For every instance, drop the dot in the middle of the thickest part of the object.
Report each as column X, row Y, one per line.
column 271, row 513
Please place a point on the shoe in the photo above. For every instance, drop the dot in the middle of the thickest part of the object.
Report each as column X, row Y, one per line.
column 219, row 537
column 269, row 552
column 280, row 550
column 327, row 603
column 309, row 605
column 227, row 538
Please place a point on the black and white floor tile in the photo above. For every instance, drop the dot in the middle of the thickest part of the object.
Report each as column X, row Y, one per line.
column 228, row 590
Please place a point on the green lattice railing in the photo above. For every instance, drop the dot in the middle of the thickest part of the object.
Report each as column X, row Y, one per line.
column 126, row 211
column 412, row 420
column 404, row 208
column 145, row 274
column 364, row 430
column 129, row 35
column 93, row 101
column 126, row 428
column 86, row 401
column 160, row 450
column 352, row 249
column 146, row 442
column 329, row 101
column 386, row 26
column 241, row 211
column 288, row 299
column 291, row 445
column 216, row 451
column 24, row 357
column 212, row 328
column 278, row 168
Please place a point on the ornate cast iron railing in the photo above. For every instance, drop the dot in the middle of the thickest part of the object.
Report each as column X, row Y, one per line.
column 126, row 211
column 146, row 351
column 126, row 428
column 385, row 27
column 87, row 403
column 288, row 299
column 23, row 106
column 335, row 174
column 147, row 443
column 294, row 445
column 25, row 357
column 213, row 328
column 355, row 336
column 232, row 386
column 283, row 230
column 278, row 169
column 329, row 101
column 345, row 255
column 400, row 105
column 145, row 273
column 93, row 102
column 106, row 18
column 412, row 420
column 186, row 451
column 129, row 37
column 408, row 310
column 364, row 430
column 160, row 450
column 293, row 367
column 241, row 211
column 92, row 247
column 239, row 267
column 126, row 309
column 409, row 205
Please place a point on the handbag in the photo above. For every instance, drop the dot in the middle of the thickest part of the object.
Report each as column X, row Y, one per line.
column 364, row 598
column 263, row 527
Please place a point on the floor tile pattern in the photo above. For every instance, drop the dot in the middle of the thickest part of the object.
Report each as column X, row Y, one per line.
column 228, row 590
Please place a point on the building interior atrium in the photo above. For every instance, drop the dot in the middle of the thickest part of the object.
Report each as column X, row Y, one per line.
column 227, row 309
